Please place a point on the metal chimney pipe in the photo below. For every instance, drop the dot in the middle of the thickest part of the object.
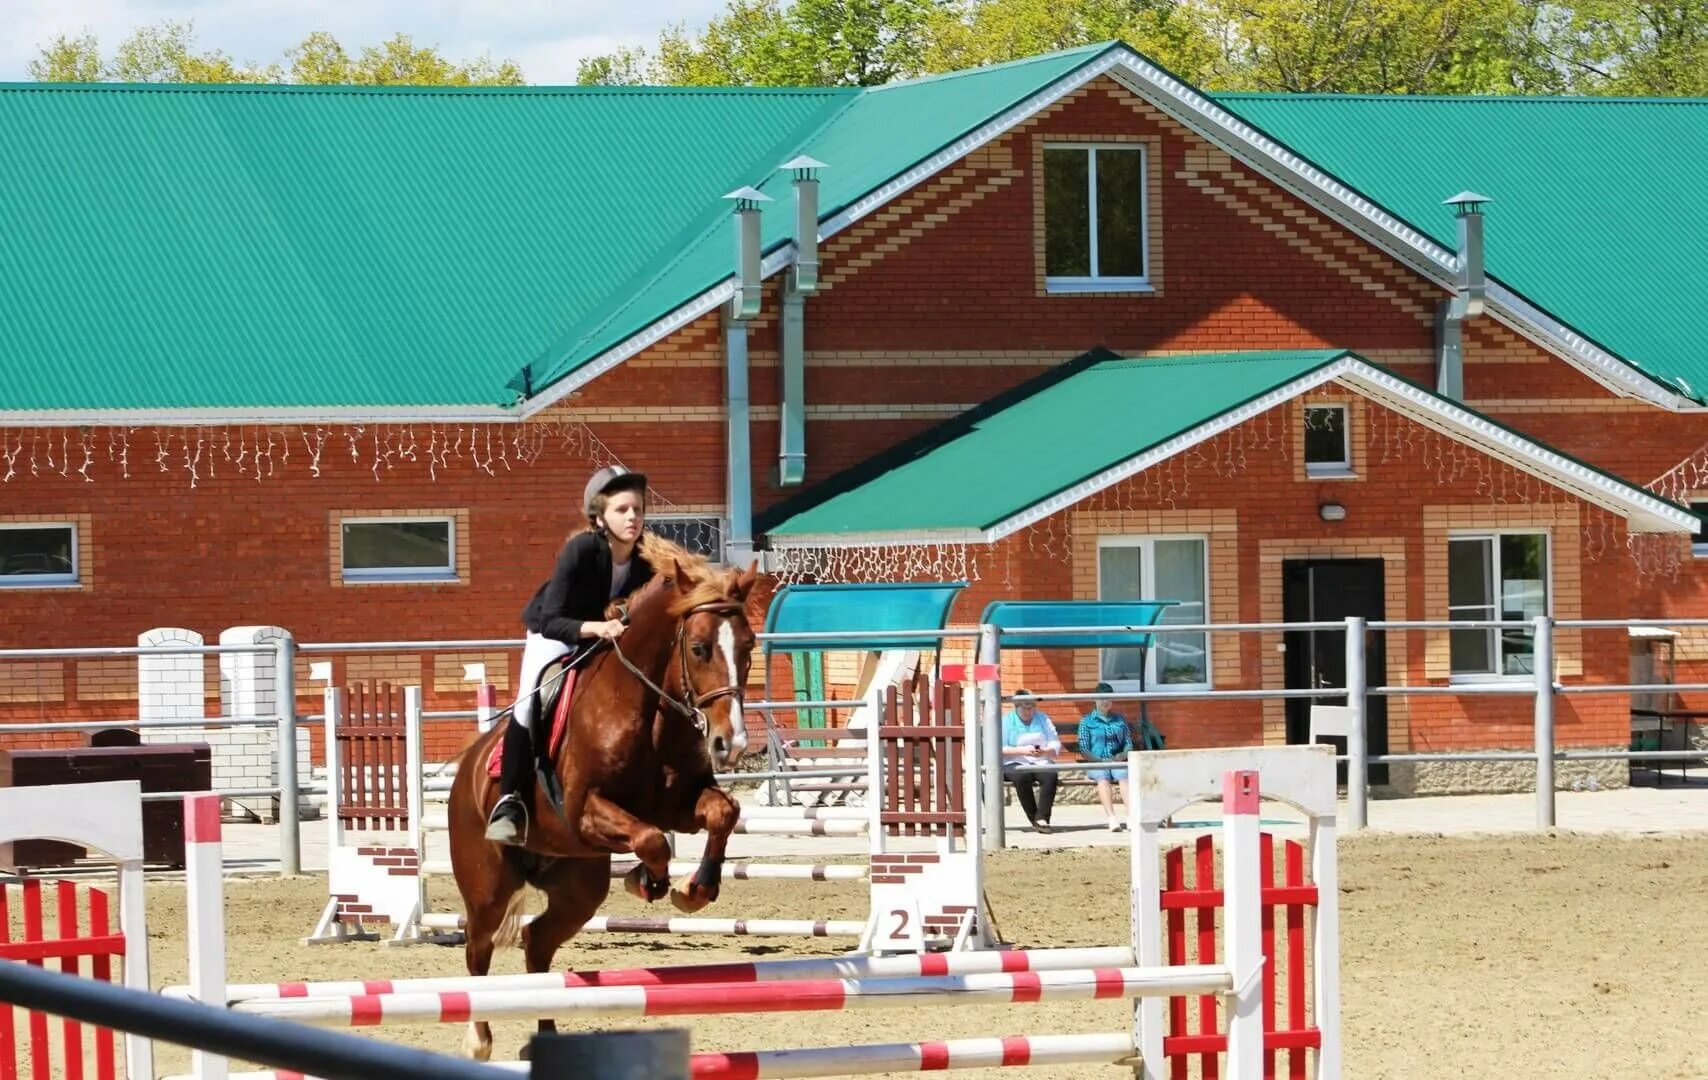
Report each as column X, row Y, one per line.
column 1468, row 300
column 748, row 286
column 801, row 282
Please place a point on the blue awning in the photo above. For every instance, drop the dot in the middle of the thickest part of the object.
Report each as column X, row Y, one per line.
column 1016, row 615
column 868, row 609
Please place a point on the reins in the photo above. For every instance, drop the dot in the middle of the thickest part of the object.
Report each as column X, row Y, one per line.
column 693, row 709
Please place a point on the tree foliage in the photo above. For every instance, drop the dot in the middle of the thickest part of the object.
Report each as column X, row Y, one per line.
column 1322, row 46
column 168, row 54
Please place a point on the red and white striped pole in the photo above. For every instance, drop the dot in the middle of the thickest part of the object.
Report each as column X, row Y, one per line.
column 983, row 962
column 710, row 999
column 204, row 907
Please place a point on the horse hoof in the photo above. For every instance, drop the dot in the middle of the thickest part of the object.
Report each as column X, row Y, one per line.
column 476, row 1047
column 693, row 898
column 637, row 885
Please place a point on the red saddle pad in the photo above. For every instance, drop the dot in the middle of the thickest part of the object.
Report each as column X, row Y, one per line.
column 560, row 722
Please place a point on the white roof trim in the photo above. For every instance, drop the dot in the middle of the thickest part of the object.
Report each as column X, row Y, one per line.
column 300, row 414
column 1643, row 512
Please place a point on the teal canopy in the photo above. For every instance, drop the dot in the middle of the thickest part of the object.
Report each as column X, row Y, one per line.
column 866, row 609
column 1016, row 615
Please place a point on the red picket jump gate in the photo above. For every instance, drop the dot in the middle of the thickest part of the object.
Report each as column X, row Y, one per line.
column 75, row 940
column 1290, row 896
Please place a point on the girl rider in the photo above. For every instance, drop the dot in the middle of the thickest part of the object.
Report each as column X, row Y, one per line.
column 594, row 568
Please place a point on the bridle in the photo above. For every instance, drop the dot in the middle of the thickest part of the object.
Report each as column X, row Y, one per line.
column 695, row 707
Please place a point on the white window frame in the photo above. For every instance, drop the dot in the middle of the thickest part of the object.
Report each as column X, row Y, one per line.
column 1095, row 283
column 1332, row 469
column 45, row 581
column 1147, row 585
column 1493, row 536
column 400, row 574
column 719, row 520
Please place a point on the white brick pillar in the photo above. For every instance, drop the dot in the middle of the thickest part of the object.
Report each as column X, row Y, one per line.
column 248, row 686
column 174, row 687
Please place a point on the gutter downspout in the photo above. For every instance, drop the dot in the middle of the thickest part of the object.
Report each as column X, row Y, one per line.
column 800, row 283
column 743, row 306
column 1467, row 300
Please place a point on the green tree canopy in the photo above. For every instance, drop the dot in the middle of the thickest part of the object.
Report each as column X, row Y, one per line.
column 168, row 54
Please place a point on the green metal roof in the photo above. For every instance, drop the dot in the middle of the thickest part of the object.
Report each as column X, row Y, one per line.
column 998, row 460
column 287, row 246
column 1006, row 462
column 228, row 248
column 1597, row 214
column 208, row 247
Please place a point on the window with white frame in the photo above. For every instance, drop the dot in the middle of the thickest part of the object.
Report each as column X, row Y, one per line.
column 701, row 535
column 1158, row 568
column 399, row 548
column 37, row 553
column 1496, row 577
column 1328, row 448
column 1094, row 216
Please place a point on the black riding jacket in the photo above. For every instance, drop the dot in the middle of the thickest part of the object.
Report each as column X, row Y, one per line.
column 580, row 588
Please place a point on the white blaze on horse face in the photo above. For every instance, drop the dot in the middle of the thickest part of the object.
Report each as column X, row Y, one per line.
column 738, row 724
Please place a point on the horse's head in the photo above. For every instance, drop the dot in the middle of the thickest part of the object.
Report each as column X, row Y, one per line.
column 714, row 649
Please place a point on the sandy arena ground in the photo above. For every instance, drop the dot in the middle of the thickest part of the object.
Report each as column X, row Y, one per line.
column 1526, row 956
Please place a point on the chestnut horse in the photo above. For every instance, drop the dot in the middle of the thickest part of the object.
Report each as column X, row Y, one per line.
column 632, row 763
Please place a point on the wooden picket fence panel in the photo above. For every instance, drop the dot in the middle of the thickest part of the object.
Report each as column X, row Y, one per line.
column 27, row 1045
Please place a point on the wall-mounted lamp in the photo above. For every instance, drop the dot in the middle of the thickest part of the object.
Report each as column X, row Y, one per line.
column 1332, row 512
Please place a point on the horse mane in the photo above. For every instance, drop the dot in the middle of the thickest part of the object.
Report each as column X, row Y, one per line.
column 703, row 583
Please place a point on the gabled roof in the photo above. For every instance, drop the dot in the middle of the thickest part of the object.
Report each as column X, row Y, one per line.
column 1006, row 464
column 1597, row 215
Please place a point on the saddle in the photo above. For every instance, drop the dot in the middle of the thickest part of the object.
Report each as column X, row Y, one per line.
column 555, row 705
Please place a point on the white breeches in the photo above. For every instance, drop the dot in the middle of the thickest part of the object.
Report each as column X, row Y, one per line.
column 536, row 654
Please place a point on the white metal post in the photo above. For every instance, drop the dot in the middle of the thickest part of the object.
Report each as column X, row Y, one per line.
column 485, row 706
column 133, row 924
column 990, row 657
column 970, row 797
column 1146, row 899
column 1357, row 746
column 285, row 678
column 1325, row 943
column 204, row 911
column 1242, row 914
column 1543, row 655
column 415, row 769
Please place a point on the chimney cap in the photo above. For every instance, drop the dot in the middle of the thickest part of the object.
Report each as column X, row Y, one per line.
column 745, row 197
column 1467, row 202
column 802, row 164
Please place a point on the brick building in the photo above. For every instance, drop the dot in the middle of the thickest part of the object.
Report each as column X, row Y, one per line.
column 339, row 361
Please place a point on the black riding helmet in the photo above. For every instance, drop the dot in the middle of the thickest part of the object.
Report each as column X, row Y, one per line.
column 609, row 481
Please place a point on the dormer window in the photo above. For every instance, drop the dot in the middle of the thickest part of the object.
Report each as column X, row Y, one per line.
column 1095, row 218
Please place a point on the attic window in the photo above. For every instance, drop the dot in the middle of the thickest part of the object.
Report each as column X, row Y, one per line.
column 1095, row 218
column 1327, row 451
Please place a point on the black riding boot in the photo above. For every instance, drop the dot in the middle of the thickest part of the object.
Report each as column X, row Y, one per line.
column 509, row 821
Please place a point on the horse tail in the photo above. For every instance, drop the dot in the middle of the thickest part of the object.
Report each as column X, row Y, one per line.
column 509, row 930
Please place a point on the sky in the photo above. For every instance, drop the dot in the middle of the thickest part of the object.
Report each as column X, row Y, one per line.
column 546, row 37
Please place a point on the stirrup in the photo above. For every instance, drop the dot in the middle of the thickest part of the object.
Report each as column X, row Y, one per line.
column 499, row 823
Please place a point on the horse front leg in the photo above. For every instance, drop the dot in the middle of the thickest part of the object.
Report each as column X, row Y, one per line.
column 609, row 827
column 715, row 813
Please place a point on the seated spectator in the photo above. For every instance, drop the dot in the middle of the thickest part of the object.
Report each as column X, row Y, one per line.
column 1029, row 738
column 1104, row 736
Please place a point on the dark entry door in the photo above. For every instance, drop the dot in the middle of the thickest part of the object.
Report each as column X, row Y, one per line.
column 1327, row 590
